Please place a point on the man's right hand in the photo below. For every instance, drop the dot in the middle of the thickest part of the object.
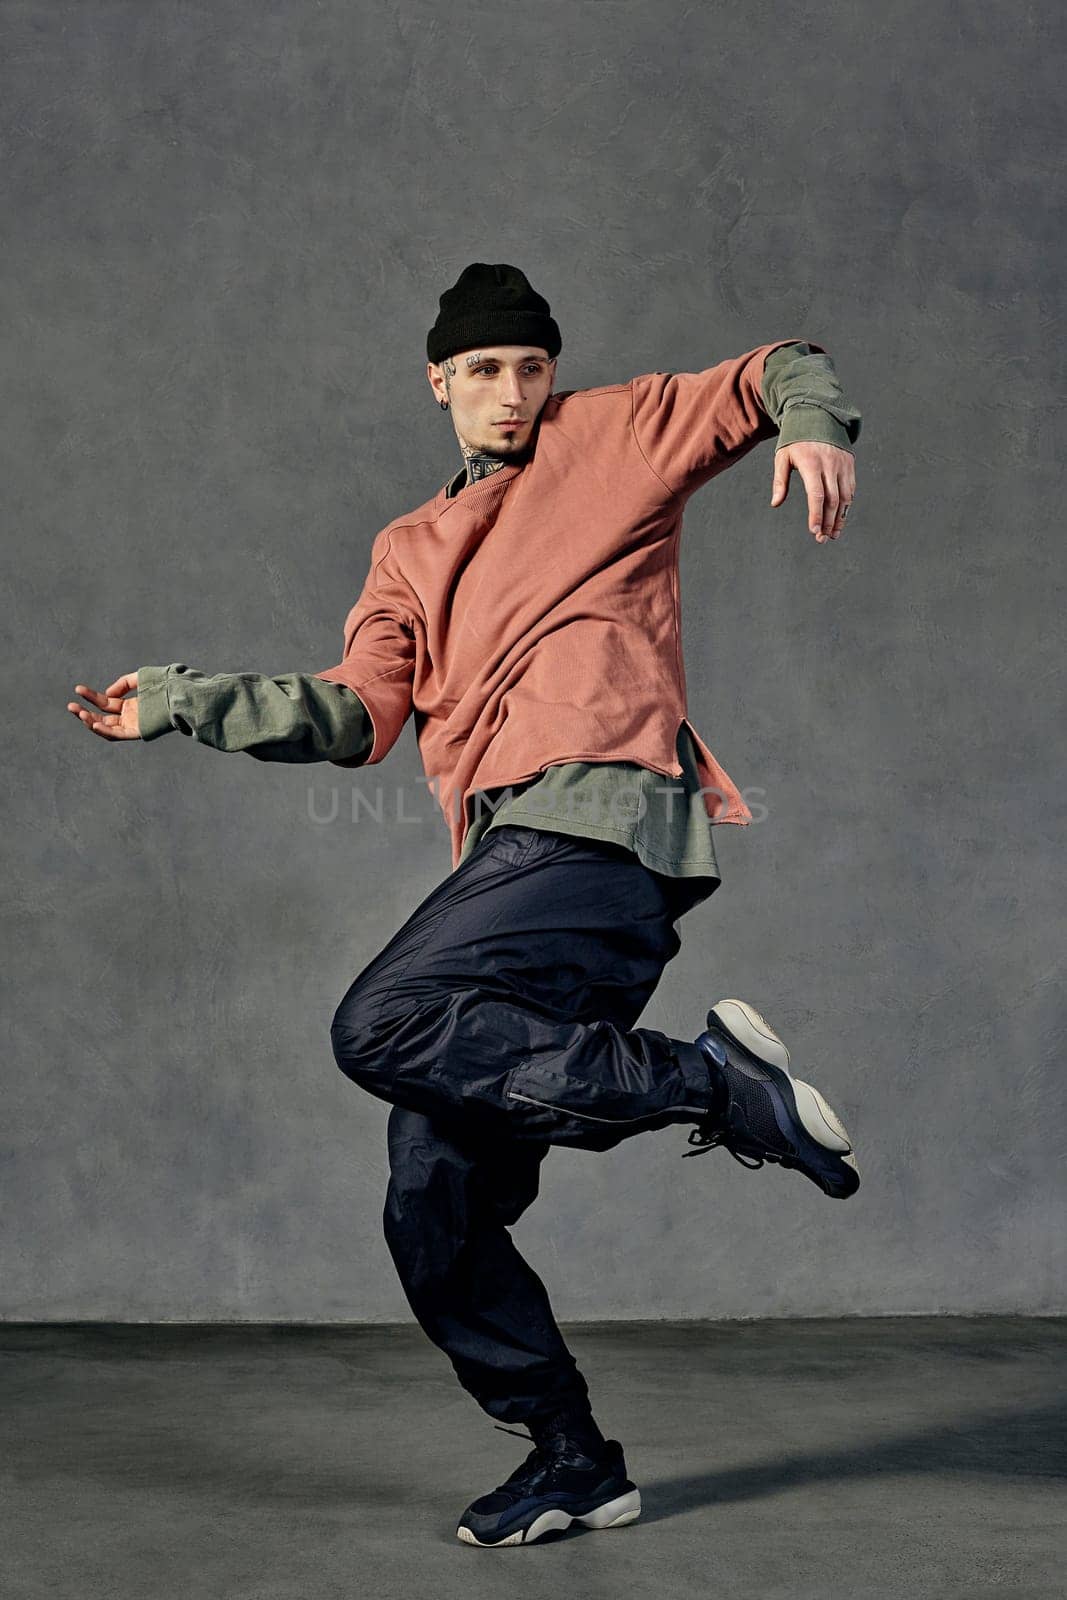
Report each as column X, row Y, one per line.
column 115, row 718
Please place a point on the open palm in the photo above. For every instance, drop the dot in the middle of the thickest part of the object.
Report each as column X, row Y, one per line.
column 114, row 717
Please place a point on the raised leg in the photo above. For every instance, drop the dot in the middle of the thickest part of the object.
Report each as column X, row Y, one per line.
column 508, row 999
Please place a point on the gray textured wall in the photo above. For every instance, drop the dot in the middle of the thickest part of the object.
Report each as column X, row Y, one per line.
column 225, row 230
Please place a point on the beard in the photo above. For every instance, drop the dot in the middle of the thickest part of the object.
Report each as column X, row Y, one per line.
column 508, row 449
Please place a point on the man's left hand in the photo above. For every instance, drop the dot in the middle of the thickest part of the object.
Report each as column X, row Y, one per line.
column 829, row 476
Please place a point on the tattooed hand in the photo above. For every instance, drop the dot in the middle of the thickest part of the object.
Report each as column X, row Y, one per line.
column 829, row 477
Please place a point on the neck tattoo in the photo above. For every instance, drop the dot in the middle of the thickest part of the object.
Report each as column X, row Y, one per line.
column 480, row 464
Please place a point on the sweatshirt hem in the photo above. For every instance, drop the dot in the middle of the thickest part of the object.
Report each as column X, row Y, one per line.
column 597, row 756
column 574, row 827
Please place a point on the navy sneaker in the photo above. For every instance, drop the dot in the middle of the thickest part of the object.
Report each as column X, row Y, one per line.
column 556, row 1485
column 765, row 1112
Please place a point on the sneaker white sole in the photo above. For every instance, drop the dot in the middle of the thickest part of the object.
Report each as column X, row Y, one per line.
column 613, row 1514
column 819, row 1118
column 754, row 1032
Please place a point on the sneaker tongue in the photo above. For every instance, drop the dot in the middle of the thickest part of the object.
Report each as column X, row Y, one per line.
column 572, row 1437
column 573, row 1453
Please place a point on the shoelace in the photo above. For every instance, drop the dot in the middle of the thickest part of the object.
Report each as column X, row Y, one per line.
column 513, row 1488
column 538, row 1463
column 708, row 1135
column 706, row 1140
column 528, row 1436
column 540, row 1452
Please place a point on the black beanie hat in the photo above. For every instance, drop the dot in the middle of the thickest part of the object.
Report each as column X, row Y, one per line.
column 491, row 305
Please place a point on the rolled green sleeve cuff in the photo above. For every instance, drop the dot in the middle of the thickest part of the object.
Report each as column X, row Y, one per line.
column 814, row 423
column 153, row 705
column 802, row 395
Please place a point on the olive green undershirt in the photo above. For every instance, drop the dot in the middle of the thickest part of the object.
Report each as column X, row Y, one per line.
column 296, row 717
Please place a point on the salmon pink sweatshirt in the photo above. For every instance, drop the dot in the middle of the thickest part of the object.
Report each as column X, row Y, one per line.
column 535, row 617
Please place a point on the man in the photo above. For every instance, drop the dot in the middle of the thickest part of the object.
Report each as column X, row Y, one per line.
column 528, row 616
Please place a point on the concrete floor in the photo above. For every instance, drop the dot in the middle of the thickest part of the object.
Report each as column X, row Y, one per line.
column 885, row 1457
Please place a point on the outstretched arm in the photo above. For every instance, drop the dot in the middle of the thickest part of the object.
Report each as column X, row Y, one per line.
column 291, row 717
column 350, row 714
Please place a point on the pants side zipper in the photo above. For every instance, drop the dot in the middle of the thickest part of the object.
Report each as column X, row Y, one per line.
column 566, row 1111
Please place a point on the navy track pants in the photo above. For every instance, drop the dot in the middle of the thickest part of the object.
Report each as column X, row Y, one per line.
column 498, row 1021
